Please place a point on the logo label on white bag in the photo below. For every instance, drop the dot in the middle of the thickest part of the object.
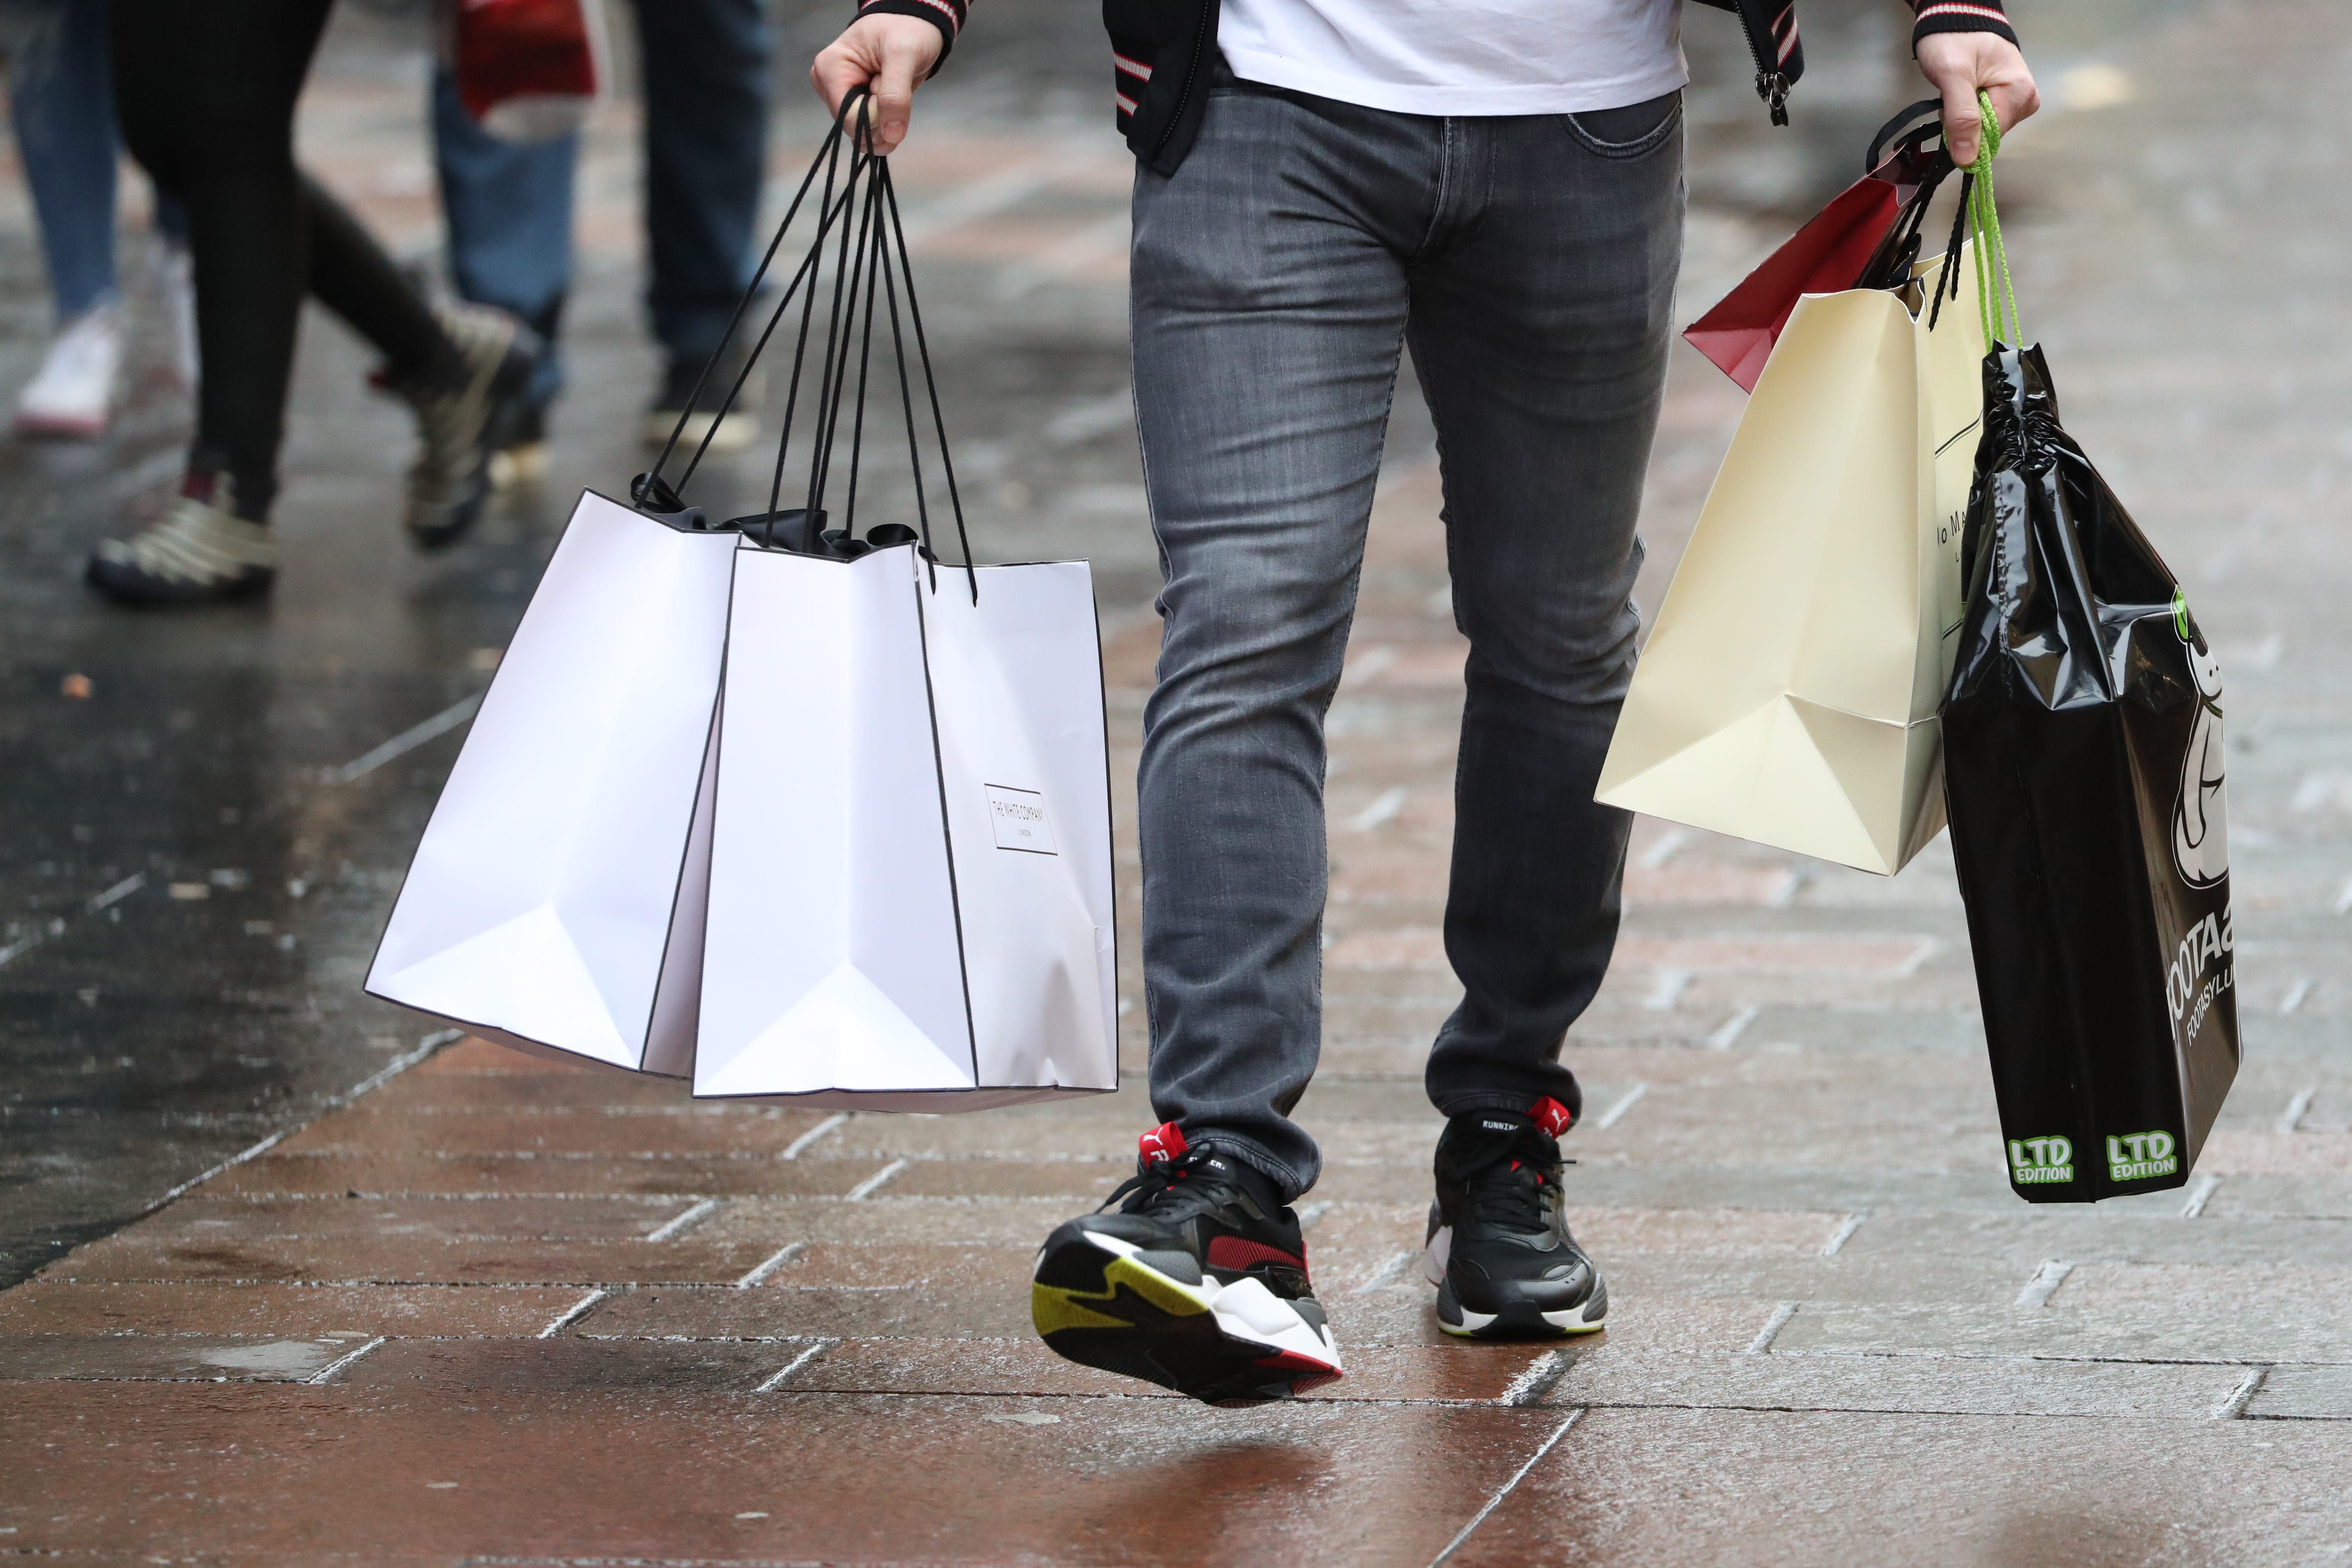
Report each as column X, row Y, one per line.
column 1019, row 818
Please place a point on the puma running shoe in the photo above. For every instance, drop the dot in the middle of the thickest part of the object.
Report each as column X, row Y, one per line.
column 1197, row 1283
column 1498, row 1250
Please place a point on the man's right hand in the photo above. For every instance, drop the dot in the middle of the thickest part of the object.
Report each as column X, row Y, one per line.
column 891, row 54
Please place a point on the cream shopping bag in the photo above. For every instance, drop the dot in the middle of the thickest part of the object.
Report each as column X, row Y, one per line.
column 1788, row 693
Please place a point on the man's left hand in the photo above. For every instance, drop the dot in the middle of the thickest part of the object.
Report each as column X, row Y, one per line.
column 1959, row 65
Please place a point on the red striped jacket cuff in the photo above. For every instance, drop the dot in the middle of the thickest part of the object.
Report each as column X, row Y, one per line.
column 1960, row 16
column 948, row 16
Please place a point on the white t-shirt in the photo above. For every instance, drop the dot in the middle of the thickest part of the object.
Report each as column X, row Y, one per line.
column 1460, row 56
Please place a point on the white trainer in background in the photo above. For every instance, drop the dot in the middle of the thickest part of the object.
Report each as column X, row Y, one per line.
column 74, row 393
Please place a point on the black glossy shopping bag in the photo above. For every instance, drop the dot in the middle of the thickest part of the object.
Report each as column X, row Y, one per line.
column 2084, row 768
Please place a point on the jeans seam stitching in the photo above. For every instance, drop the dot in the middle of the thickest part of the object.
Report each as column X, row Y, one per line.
column 1625, row 152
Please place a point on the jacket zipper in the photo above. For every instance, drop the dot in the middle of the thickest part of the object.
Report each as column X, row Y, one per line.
column 1191, row 70
column 1772, row 86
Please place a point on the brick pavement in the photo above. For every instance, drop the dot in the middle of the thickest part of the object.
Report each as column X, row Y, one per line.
column 497, row 1310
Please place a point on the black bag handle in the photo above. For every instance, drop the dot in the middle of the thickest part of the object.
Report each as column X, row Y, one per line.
column 1876, row 158
column 870, row 265
column 1900, row 154
column 649, row 488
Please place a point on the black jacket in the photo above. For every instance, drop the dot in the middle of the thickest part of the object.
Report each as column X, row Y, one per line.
column 1161, row 51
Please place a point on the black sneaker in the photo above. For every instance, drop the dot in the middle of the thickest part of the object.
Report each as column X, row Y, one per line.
column 1499, row 1252
column 521, row 461
column 1197, row 1283
column 460, row 427
column 741, row 426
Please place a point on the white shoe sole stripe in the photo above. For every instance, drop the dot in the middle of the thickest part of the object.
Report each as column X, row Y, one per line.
column 1244, row 1309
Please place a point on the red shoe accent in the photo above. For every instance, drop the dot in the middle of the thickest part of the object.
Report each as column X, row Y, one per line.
column 1551, row 1116
column 1234, row 1252
column 1162, row 1144
column 1291, row 1361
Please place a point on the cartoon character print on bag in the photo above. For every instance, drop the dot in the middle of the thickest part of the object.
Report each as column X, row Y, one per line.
column 2200, row 836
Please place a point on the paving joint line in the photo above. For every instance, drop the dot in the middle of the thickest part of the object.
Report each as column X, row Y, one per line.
column 2291, row 1119
column 399, row 746
column 340, row 1361
column 782, row 1256
column 685, row 1218
column 58, row 924
column 1495, row 1501
column 430, row 1046
column 1763, row 1343
column 578, row 1311
column 874, row 1182
column 794, row 1365
column 1540, row 1378
column 1626, row 1102
column 1846, row 1232
column 2044, row 1283
column 2234, row 1408
column 793, row 1150
column 1736, row 1025
column 2200, row 1192
column 1388, row 1274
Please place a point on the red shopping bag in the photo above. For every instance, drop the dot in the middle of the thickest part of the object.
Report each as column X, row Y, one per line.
column 1856, row 234
column 528, row 70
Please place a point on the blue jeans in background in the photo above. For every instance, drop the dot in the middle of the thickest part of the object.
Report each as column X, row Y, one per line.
column 61, row 106
column 1529, row 261
column 509, row 205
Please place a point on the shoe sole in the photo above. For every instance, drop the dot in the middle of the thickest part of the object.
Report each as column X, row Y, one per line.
column 1096, row 1302
column 1518, row 1321
column 735, row 435
column 144, row 592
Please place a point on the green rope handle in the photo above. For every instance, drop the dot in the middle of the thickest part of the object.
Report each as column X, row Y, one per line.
column 1996, row 296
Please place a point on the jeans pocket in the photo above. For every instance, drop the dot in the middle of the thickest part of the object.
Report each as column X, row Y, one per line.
column 1630, row 132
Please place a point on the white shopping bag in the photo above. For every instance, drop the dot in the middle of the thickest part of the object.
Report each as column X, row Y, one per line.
column 910, row 875
column 556, row 903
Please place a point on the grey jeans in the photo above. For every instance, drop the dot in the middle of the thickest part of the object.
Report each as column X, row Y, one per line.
column 1530, row 263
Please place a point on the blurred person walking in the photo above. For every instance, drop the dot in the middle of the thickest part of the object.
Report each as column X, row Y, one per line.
column 61, row 106
column 206, row 95
column 1322, row 183
column 509, row 206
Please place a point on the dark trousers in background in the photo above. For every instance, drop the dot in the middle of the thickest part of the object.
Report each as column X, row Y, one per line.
column 205, row 94
column 1529, row 261
column 509, row 204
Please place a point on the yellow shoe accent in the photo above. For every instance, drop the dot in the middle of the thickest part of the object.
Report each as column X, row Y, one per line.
column 1176, row 1300
column 1054, row 1309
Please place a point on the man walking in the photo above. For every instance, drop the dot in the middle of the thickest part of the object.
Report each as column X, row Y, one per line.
column 1322, row 183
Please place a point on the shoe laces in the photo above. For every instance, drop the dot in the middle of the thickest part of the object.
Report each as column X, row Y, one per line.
column 1508, row 1178
column 1173, row 1191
